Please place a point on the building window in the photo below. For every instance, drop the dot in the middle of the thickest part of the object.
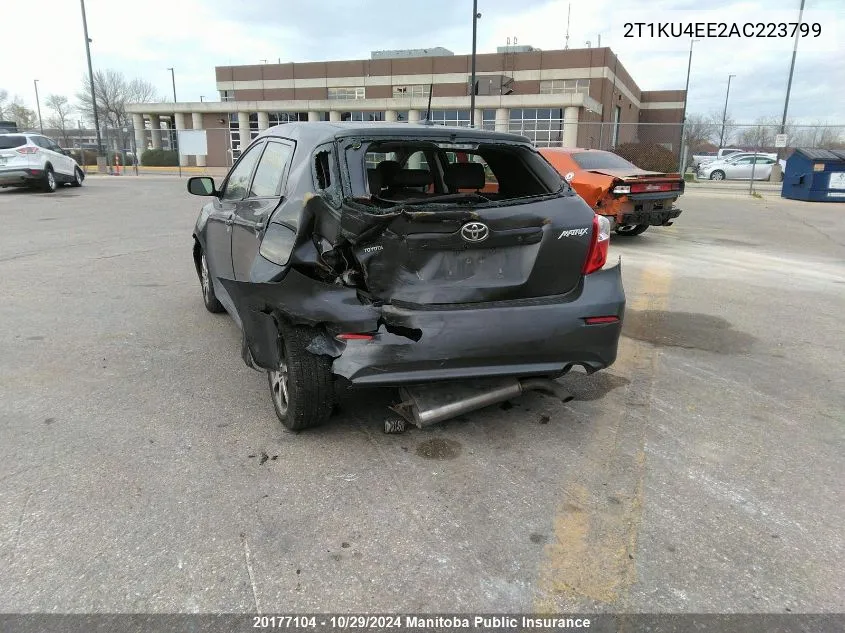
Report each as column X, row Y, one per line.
column 544, row 126
column 347, row 93
column 227, row 95
column 418, row 90
column 488, row 119
column 362, row 116
column 450, row 117
column 277, row 118
column 564, row 86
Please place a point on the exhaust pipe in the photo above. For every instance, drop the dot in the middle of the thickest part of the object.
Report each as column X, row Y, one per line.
column 424, row 405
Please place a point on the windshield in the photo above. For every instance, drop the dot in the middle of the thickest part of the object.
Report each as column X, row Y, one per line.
column 12, row 141
column 601, row 160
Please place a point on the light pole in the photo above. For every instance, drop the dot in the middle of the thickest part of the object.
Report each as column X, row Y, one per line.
column 91, row 85
column 173, row 81
column 475, row 16
column 791, row 70
column 201, row 98
column 684, row 115
column 38, row 105
column 725, row 112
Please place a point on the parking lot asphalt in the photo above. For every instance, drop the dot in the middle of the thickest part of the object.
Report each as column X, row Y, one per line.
column 142, row 468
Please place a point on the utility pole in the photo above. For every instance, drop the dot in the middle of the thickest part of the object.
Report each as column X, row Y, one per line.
column 725, row 112
column 684, row 115
column 38, row 105
column 791, row 70
column 91, row 82
column 173, row 80
column 475, row 16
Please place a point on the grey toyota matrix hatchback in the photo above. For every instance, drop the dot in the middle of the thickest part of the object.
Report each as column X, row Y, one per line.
column 402, row 254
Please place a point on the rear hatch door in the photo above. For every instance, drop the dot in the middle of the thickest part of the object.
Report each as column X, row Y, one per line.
column 455, row 254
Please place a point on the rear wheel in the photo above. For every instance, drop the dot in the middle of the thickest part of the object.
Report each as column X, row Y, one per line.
column 49, row 185
column 301, row 387
column 717, row 175
column 631, row 229
column 78, row 177
column 208, row 296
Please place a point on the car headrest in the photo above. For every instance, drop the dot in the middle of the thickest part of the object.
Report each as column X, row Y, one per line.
column 386, row 169
column 465, row 176
column 412, row 178
column 373, row 181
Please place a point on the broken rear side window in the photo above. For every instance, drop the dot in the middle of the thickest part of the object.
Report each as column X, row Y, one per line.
column 412, row 171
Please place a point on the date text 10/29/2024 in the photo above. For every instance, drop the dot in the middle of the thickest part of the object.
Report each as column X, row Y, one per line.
column 721, row 29
column 416, row 622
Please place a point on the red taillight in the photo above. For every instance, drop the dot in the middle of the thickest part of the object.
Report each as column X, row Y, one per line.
column 648, row 187
column 601, row 319
column 597, row 255
column 27, row 149
column 354, row 337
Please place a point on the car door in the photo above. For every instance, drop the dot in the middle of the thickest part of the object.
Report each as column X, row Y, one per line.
column 763, row 168
column 741, row 169
column 67, row 163
column 253, row 213
column 55, row 155
column 221, row 211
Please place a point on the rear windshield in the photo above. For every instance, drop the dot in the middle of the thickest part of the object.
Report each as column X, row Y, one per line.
column 601, row 160
column 431, row 172
column 11, row 141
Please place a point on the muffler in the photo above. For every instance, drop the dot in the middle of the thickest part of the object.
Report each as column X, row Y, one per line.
column 424, row 405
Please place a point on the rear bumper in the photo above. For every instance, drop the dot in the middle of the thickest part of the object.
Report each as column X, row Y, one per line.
column 654, row 217
column 514, row 339
column 19, row 176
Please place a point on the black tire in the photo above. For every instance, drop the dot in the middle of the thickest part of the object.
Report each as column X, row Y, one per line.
column 718, row 174
column 302, row 389
column 629, row 230
column 78, row 177
column 212, row 304
column 50, row 184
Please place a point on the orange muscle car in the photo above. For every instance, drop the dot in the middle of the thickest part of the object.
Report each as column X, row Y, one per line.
column 631, row 198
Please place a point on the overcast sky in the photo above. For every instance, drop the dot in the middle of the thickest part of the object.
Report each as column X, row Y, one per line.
column 145, row 38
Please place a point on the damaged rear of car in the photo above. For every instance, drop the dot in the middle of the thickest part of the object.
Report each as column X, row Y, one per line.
column 403, row 254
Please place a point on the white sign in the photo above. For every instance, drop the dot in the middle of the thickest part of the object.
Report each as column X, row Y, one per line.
column 780, row 140
column 192, row 142
column 837, row 180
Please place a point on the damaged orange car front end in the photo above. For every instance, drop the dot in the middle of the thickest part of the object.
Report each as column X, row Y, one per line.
column 631, row 198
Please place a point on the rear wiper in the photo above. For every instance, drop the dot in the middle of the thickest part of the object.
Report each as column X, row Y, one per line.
column 448, row 197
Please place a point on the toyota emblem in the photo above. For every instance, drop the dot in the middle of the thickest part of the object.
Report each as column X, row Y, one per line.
column 475, row 232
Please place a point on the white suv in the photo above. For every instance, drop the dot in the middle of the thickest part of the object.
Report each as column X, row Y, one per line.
column 36, row 161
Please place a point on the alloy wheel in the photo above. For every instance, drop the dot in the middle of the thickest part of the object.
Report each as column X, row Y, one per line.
column 279, row 384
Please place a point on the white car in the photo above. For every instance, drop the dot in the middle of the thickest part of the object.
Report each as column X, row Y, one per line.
column 33, row 160
column 739, row 167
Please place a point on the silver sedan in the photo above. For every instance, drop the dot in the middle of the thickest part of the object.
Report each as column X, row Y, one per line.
column 739, row 169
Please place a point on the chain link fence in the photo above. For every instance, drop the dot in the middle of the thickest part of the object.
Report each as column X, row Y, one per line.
column 665, row 147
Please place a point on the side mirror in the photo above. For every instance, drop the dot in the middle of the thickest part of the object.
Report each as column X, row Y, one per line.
column 202, row 186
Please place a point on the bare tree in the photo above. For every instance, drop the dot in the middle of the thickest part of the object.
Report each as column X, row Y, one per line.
column 16, row 110
column 4, row 96
column 761, row 135
column 61, row 113
column 112, row 92
column 716, row 121
column 698, row 133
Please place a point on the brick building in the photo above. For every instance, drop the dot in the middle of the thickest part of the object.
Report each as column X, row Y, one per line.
column 577, row 97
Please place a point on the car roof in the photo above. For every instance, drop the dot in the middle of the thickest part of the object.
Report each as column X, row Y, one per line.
column 316, row 133
column 572, row 150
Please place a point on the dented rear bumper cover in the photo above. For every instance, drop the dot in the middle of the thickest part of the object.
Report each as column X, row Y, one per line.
column 427, row 343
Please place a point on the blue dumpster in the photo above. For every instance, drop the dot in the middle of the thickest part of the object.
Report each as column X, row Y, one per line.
column 815, row 174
